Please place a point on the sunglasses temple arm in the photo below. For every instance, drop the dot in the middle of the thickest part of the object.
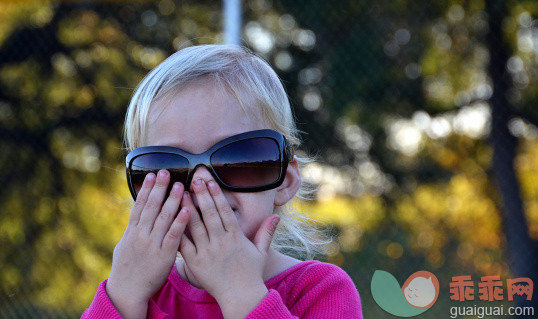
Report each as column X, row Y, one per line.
column 291, row 152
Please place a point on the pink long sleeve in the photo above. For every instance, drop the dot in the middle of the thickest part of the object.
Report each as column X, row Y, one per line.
column 310, row 289
column 325, row 291
column 102, row 307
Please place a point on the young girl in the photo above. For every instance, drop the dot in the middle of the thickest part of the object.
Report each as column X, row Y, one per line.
column 211, row 170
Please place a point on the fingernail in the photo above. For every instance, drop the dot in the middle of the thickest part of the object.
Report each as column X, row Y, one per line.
column 275, row 221
column 150, row 177
column 176, row 185
column 198, row 182
column 162, row 173
column 185, row 195
column 211, row 184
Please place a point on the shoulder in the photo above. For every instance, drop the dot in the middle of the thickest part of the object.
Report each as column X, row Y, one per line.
column 316, row 276
column 317, row 272
column 319, row 285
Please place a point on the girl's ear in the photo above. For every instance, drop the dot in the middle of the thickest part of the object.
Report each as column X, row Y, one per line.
column 290, row 186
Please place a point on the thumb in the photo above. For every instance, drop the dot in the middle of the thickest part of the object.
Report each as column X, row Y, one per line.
column 264, row 236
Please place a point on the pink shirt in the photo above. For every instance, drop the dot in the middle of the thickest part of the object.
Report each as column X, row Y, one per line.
column 310, row 289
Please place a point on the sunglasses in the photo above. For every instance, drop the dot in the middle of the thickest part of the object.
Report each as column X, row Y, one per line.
column 248, row 162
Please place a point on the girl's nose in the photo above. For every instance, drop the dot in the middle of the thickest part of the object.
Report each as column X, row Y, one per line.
column 201, row 172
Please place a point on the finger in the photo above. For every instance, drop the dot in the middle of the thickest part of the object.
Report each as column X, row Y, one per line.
column 229, row 221
column 186, row 248
column 264, row 235
column 168, row 212
column 141, row 199
column 196, row 225
column 211, row 217
column 155, row 200
column 173, row 237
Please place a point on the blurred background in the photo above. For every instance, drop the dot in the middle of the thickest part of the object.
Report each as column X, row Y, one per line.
column 422, row 114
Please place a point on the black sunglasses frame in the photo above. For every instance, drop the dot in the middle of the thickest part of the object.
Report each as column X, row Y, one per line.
column 285, row 149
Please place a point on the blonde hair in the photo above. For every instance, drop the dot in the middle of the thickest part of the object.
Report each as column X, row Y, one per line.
column 251, row 80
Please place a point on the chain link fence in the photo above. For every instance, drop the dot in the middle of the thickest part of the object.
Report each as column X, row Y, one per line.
column 422, row 116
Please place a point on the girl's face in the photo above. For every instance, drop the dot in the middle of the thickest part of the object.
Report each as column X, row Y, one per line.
column 199, row 116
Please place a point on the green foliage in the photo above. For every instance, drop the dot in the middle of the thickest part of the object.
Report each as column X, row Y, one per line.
column 383, row 90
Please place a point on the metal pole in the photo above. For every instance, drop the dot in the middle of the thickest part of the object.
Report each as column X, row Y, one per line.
column 232, row 22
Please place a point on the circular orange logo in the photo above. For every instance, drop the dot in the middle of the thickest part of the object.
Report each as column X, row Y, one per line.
column 421, row 289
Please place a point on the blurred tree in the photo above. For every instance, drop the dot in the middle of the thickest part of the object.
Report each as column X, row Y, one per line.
column 522, row 249
column 445, row 58
column 67, row 71
column 392, row 96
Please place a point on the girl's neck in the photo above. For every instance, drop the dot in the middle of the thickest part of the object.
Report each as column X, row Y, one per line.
column 276, row 263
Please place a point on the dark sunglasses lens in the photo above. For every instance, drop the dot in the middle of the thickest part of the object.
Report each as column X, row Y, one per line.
column 248, row 163
column 178, row 167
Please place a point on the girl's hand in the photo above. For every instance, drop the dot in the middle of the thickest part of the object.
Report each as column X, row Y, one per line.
column 145, row 254
column 221, row 258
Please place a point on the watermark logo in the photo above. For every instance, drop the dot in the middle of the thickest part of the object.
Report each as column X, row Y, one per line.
column 490, row 288
column 421, row 289
column 418, row 293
